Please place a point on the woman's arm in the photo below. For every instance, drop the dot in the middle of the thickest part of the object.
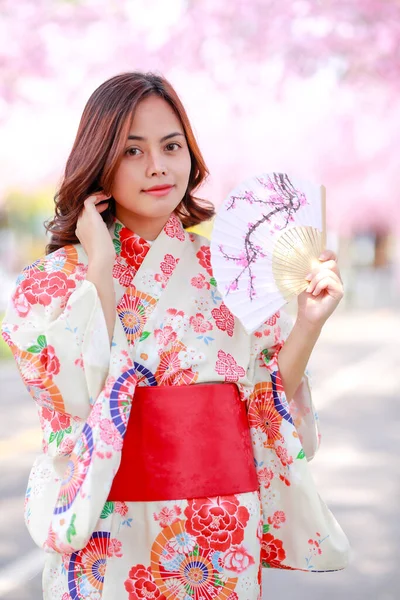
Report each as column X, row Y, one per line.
column 102, row 278
column 315, row 306
column 295, row 354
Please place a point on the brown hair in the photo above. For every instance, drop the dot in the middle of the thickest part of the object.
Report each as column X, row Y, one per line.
column 98, row 150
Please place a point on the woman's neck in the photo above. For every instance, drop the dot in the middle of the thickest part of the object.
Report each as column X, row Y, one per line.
column 147, row 229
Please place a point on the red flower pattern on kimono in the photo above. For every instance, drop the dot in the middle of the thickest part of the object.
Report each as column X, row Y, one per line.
column 174, row 228
column 218, row 523
column 277, row 519
column 272, row 551
column 226, row 365
column 199, row 324
column 42, row 287
column 168, row 265
column 50, row 361
column 165, row 336
column 124, row 273
column 200, row 282
column 57, row 420
column 141, row 585
column 224, row 319
column 237, row 559
column 204, row 256
column 133, row 248
column 168, row 516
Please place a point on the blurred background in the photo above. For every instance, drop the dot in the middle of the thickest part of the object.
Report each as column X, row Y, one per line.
column 307, row 87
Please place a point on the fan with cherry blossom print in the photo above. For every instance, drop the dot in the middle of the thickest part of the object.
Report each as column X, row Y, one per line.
column 267, row 237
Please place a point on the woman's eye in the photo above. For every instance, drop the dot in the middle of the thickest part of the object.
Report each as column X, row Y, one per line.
column 173, row 144
column 131, row 151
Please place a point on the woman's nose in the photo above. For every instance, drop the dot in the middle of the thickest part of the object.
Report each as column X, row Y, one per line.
column 156, row 165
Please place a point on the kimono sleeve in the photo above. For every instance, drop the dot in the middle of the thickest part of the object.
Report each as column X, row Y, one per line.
column 57, row 333
column 56, row 329
column 266, row 344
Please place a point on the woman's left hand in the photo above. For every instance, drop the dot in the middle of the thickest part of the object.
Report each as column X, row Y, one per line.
column 325, row 291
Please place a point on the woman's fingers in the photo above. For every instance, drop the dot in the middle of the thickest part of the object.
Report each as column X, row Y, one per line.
column 329, row 264
column 331, row 285
column 323, row 273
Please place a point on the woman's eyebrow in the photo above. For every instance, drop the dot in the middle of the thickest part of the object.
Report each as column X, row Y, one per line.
column 166, row 137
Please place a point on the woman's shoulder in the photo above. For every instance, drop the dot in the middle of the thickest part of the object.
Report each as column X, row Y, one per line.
column 67, row 259
column 50, row 279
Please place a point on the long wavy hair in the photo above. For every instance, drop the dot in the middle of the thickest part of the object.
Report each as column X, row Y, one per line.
column 98, row 150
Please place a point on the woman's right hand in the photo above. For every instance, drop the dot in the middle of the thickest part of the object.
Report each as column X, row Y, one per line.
column 92, row 231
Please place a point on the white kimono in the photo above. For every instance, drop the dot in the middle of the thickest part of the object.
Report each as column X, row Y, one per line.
column 172, row 328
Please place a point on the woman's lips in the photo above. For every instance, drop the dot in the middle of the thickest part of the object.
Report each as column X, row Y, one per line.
column 162, row 192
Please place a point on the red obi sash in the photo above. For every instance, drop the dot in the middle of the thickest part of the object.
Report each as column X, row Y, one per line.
column 182, row 442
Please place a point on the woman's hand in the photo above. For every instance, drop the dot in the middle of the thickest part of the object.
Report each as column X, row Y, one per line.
column 92, row 232
column 325, row 291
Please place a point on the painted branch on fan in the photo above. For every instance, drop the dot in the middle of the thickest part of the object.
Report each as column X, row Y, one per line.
column 287, row 201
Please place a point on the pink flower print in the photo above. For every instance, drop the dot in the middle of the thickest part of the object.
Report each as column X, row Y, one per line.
column 121, row 508
column 226, row 365
column 50, row 361
column 67, row 445
column 200, row 282
column 237, row 559
column 224, row 319
column 95, row 415
column 161, row 278
column 165, row 336
column 114, row 548
column 204, row 256
column 168, row 265
column 277, row 519
column 315, row 548
column 20, row 302
column 283, row 455
column 199, row 323
column 80, row 272
column 79, row 362
column 110, row 381
column 273, row 319
column 124, row 273
column 167, row 516
column 265, row 476
column 110, row 434
column 174, row 228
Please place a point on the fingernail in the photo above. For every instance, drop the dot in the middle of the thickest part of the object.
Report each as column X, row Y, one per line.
column 308, row 290
column 321, row 256
column 309, row 277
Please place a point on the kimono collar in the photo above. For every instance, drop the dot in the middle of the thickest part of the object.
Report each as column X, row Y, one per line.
column 133, row 248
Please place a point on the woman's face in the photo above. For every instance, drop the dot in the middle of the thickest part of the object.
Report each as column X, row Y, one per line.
column 156, row 154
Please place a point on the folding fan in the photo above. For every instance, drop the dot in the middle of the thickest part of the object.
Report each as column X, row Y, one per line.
column 267, row 237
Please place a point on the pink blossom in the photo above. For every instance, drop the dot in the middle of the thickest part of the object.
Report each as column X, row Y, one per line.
column 199, row 324
column 265, row 476
column 237, row 559
column 95, row 415
column 121, row 508
column 20, row 302
column 165, row 336
column 277, row 519
column 110, row 434
column 200, row 282
column 168, row 516
column 284, row 456
column 114, row 548
column 67, row 445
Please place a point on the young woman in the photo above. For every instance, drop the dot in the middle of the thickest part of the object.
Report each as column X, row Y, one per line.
column 173, row 465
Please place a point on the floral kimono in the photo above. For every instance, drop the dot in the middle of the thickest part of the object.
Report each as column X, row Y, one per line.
column 172, row 329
